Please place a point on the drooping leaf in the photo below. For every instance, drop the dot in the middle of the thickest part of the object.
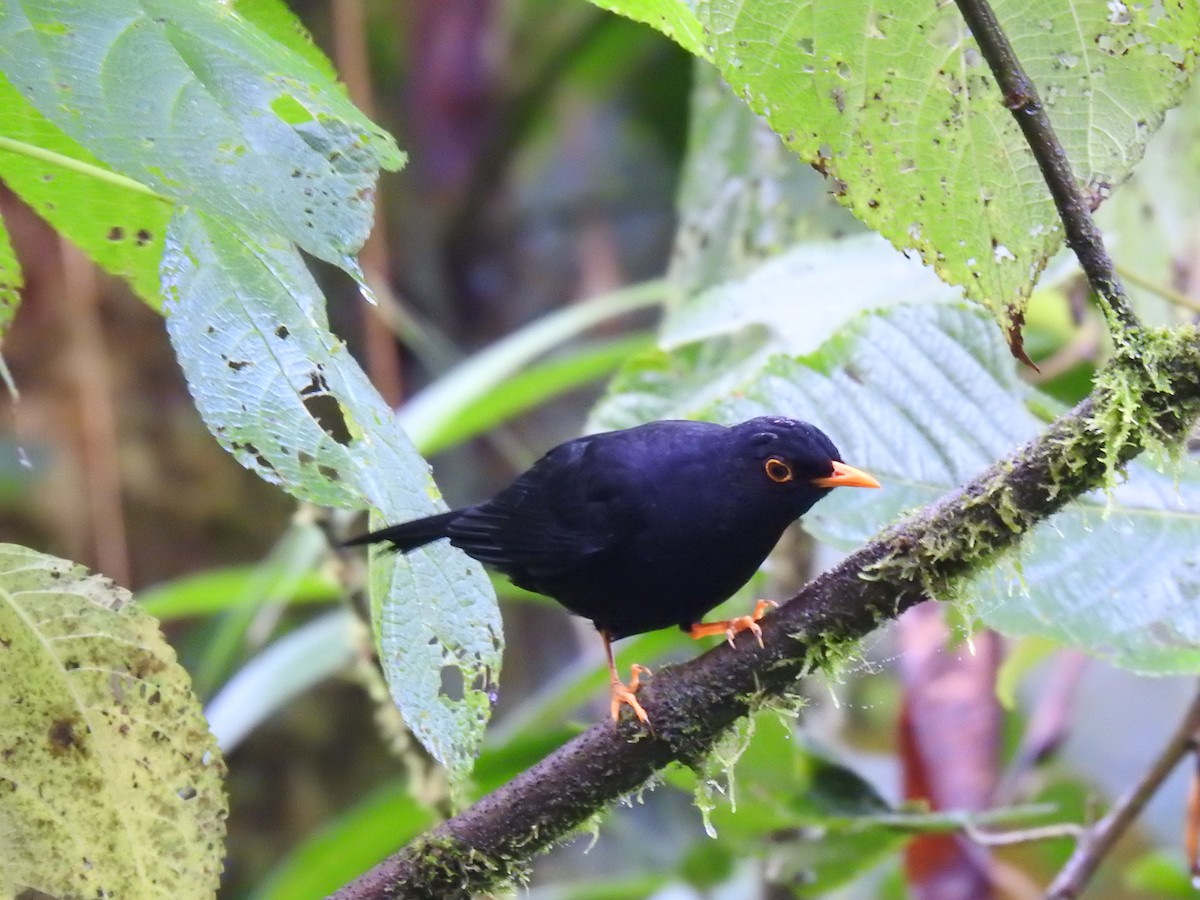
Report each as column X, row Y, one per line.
column 898, row 108
column 202, row 106
column 284, row 396
column 111, row 783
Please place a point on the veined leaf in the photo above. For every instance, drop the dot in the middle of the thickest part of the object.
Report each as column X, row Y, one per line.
column 201, row 106
column 285, row 397
column 110, row 783
column 897, row 107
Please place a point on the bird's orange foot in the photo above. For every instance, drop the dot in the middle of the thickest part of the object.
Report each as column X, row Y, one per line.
column 731, row 627
column 627, row 694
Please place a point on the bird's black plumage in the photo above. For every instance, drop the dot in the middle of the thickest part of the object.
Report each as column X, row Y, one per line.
column 647, row 527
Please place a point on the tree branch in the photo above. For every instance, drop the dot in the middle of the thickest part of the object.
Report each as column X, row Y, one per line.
column 1095, row 843
column 691, row 705
column 1073, row 204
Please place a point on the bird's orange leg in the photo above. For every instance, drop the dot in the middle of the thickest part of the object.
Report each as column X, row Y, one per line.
column 731, row 627
column 621, row 692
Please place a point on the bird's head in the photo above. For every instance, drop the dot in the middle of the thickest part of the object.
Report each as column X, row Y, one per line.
column 794, row 459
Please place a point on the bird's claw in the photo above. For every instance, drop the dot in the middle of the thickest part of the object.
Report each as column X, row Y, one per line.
column 740, row 624
column 627, row 694
column 732, row 627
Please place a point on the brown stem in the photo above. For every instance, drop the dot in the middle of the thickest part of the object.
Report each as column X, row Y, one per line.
column 1098, row 840
column 1073, row 204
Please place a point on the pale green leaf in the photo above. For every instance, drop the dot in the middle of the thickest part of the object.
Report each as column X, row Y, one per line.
column 284, row 670
column 722, row 338
column 897, row 106
column 202, row 106
column 110, row 784
column 285, row 397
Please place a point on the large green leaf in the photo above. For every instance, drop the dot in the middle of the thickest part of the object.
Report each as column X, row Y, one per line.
column 896, row 105
column 110, row 784
column 286, row 398
column 925, row 398
column 198, row 103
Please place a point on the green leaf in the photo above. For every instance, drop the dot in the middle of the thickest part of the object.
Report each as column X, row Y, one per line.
column 202, row 106
column 219, row 590
column 10, row 280
column 285, row 397
column 283, row 671
column 674, row 18
column 897, row 107
column 111, row 781
column 438, row 410
column 119, row 223
column 927, row 398
column 532, row 387
column 347, row 846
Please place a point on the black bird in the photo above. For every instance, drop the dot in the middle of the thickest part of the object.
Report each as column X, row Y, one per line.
column 647, row 527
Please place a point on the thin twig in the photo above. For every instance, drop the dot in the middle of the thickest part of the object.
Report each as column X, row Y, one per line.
column 1100, row 838
column 1022, row 835
column 1176, row 298
column 1073, row 204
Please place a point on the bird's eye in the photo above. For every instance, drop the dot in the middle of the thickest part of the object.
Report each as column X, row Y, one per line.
column 777, row 470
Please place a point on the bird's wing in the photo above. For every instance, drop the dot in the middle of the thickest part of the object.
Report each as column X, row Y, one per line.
column 572, row 505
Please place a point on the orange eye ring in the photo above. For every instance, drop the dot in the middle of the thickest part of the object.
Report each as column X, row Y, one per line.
column 778, row 470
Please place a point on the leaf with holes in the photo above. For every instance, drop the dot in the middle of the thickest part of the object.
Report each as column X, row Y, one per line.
column 110, row 784
column 201, row 105
column 286, row 398
column 895, row 104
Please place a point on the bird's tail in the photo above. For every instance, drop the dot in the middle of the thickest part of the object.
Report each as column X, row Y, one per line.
column 410, row 535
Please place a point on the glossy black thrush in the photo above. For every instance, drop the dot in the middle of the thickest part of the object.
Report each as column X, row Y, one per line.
column 648, row 527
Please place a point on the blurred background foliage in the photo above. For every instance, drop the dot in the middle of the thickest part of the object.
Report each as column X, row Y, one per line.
column 547, row 146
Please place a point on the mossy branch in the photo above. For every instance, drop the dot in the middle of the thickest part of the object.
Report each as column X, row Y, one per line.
column 1149, row 394
column 691, row 705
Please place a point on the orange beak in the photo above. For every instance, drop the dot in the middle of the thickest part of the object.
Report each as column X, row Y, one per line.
column 846, row 476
